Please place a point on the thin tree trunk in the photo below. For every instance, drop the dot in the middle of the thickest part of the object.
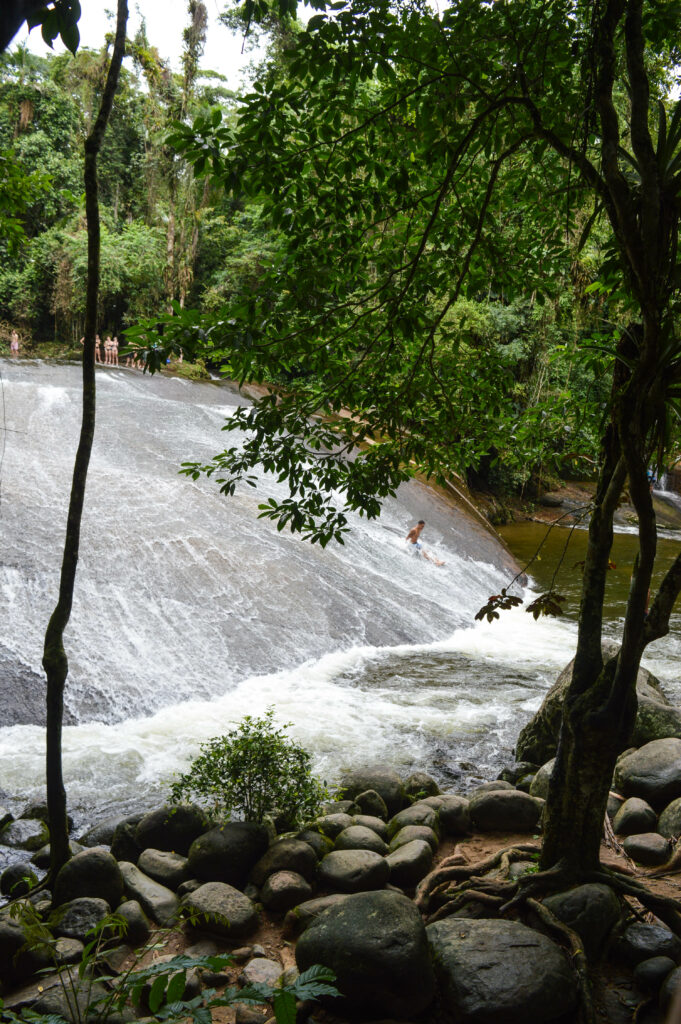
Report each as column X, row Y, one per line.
column 55, row 661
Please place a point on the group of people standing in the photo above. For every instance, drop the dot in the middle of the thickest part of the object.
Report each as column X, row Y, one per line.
column 110, row 346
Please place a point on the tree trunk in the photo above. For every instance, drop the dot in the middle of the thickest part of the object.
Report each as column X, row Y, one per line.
column 55, row 661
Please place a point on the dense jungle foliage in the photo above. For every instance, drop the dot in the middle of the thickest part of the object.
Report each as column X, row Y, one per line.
column 169, row 235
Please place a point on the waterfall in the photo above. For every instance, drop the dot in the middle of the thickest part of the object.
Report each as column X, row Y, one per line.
column 190, row 611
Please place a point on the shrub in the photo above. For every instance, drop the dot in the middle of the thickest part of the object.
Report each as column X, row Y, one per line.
column 253, row 771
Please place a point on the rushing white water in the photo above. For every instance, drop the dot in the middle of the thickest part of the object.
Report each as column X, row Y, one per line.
column 191, row 612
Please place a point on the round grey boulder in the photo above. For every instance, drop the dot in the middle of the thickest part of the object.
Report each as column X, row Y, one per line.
column 331, row 825
column 650, row 974
column 319, row 843
column 505, row 811
column 287, row 855
column 138, row 928
column 283, row 890
column 371, row 802
column 260, row 971
column 634, row 816
column 411, row 832
column 670, row 988
column 41, row 857
column 500, row 972
column 172, row 827
column 649, row 849
column 410, row 863
column 222, row 910
column 371, row 821
column 100, row 834
column 17, row 879
column 591, row 910
column 540, row 782
column 170, row 869
column 92, row 872
column 302, row 916
column 353, row 871
column 417, row 814
column 383, row 780
column 227, row 853
column 123, row 843
column 375, row 944
column 420, row 784
column 652, row 772
column 26, row 834
column 642, row 941
column 78, row 917
column 490, row 787
column 453, row 815
column 669, row 824
column 357, row 837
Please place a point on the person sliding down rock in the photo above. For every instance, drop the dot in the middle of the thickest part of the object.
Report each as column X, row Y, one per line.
column 416, row 547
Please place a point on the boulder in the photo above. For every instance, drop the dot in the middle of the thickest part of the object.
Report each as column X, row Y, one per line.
column 634, row 816
column 300, row 917
column 411, row 832
column 339, row 807
column 649, row 848
column 228, row 853
column 653, row 772
column 222, row 910
column 383, row 780
column 371, row 821
column 410, row 863
column 5, row 817
column 655, row 719
column 92, row 872
column 68, row 951
column 670, row 988
column 319, row 843
column 331, row 825
column 17, row 879
column 260, row 971
column 156, row 900
column 170, row 869
column 420, row 784
column 26, row 834
column 100, row 834
column 540, row 781
column 284, row 890
column 138, row 928
column 669, row 824
column 376, row 945
column 453, row 815
column 490, row 787
column 643, row 941
column 500, row 972
column 371, row 802
column 41, row 857
column 123, row 843
column 358, row 837
column 78, row 917
column 287, row 855
column 650, row 974
column 515, row 772
column 591, row 910
column 538, row 740
column 505, row 811
column 171, row 827
column 615, row 801
column 417, row 814
column 353, row 871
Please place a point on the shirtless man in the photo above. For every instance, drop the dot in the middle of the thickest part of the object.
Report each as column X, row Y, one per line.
column 14, row 344
column 416, row 547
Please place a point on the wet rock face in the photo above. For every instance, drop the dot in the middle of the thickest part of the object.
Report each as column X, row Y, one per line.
column 655, row 718
column 494, row 971
column 376, row 945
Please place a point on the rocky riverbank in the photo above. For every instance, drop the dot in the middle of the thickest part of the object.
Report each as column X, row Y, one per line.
column 363, row 890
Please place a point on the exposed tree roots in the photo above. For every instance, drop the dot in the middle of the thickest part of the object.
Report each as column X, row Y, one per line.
column 454, row 885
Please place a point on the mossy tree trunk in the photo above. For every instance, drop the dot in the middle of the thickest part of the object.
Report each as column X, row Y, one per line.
column 55, row 661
